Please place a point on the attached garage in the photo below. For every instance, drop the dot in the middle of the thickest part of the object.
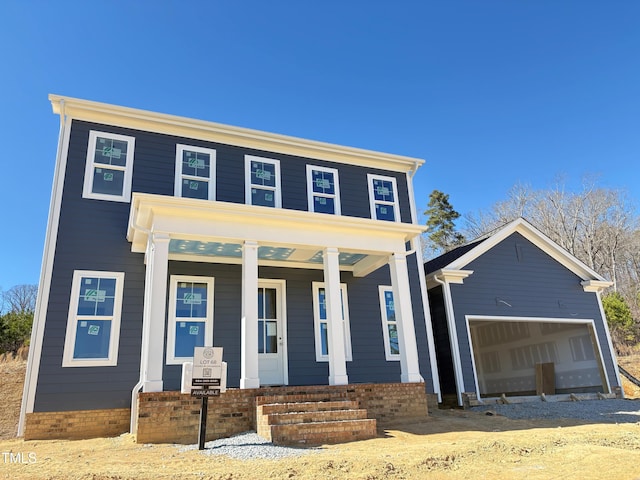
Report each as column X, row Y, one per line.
column 530, row 356
column 514, row 314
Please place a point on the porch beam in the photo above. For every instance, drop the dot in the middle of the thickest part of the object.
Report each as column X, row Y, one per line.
column 335, row 323
column 249, row 372
column 409, row 366
column 155, row 312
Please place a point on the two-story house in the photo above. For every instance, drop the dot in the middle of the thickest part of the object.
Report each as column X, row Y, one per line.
column 300, row 258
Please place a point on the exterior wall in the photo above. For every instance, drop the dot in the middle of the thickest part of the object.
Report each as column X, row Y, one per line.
column 92, row 236
column 442, row 341
column 533, row 284
column 170, row 417
column 367, row 342
column 77, row 425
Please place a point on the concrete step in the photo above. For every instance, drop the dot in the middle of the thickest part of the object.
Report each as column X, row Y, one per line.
column 318, row 433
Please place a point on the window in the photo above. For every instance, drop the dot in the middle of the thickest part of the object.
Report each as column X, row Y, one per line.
column 190, row 318
column 262, row 181
column 195, row 172
column 93, row 324
column 323, row 191
column 389, row 324
column 109, row 167
column 383, row 198
column 320, row 322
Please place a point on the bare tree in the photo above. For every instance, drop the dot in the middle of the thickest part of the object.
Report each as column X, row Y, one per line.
column 20, row 298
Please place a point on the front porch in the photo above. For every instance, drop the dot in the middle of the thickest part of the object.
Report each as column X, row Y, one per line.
column 172, row 417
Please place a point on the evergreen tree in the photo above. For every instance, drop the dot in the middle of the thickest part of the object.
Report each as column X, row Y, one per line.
column 441, row 232
column 619, row 317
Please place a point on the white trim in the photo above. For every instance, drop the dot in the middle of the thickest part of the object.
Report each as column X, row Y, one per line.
column 74, row 318
column 281, row 287
column 106, row 114
column 311, row 194
column 44, row 289
column 453, row 337
column 277, row 190
column 390, row 357
column 577, row 321
column 249, row 366
column 540, row 240
column 172, row 320
column 179, row 177
column 87, row 190
column 614, row 357
column 315, row 288
column 373, row 202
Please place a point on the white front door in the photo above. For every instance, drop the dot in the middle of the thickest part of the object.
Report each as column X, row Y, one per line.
column 272, row 332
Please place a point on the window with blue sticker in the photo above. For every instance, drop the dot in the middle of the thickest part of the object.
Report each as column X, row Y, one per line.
column 383, row 198
column 389, row 324
column 93, row 324
column 109, row 167
column 321, row 322
column 323, row 190
column 190, row 318
column 262, row 182
column 195, row 172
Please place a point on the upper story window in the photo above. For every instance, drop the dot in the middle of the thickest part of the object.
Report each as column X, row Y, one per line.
column 190, row 318
column 321, row 322
column 389, row 324
column 262, row 181
column 195, row 172
column 109, row 167
column 323, row 191
column 383, row 198
column 93, row 324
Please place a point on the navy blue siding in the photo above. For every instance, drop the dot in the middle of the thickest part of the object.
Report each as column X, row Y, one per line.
column 533, row 283
column 369, row 363
column 92, row 236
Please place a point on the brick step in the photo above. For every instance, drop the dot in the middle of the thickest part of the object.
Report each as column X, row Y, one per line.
column 303, row 397
column 318, row 433
column 292, row 407
column 315, row 417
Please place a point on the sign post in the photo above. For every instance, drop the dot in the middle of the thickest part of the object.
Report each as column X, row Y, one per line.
column 208, row 371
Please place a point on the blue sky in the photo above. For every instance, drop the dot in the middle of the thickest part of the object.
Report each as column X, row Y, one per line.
column 490, row 93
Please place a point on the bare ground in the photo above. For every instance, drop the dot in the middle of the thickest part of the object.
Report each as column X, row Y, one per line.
column 452, row 444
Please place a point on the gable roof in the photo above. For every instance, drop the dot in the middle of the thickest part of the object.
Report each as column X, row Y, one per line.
column 460, row 257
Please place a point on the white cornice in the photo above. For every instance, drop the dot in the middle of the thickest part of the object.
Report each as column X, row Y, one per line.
column 187, row 218
column 215, row 132
column 448, row 275
column 595, row 285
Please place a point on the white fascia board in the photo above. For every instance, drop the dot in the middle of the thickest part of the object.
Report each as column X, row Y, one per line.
column 536, row 237
column 595, row 285
column 215, row 132
column 206, row 221
column 447, row 275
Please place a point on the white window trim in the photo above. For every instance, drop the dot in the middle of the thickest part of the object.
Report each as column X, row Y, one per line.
column 171, row 359
column 311, row 194
column 73, row 319
column 90, row 165
column 180, row 149
column 373, row 202
column 277, row 190
column 316, row 286
column 390, row 357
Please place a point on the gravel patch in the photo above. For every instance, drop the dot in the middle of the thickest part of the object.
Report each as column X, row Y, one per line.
column 597, row 411
column 249, row 445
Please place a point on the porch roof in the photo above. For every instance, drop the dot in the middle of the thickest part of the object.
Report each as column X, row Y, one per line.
column 213, row 231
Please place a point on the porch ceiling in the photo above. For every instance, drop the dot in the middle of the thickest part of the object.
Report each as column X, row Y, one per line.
column 213, row 231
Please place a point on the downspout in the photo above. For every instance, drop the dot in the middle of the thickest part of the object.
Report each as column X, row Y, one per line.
column 453, row 337
column 417, row 249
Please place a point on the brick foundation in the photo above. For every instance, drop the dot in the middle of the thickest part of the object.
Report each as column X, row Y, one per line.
column 172, row 417
column 76, row 425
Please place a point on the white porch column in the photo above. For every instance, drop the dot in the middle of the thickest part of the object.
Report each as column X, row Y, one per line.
column 410, row 371
column 249, row 373
column 335, row 326
column 155, row 312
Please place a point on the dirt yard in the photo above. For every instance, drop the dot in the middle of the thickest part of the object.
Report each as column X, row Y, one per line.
column 451, row 444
